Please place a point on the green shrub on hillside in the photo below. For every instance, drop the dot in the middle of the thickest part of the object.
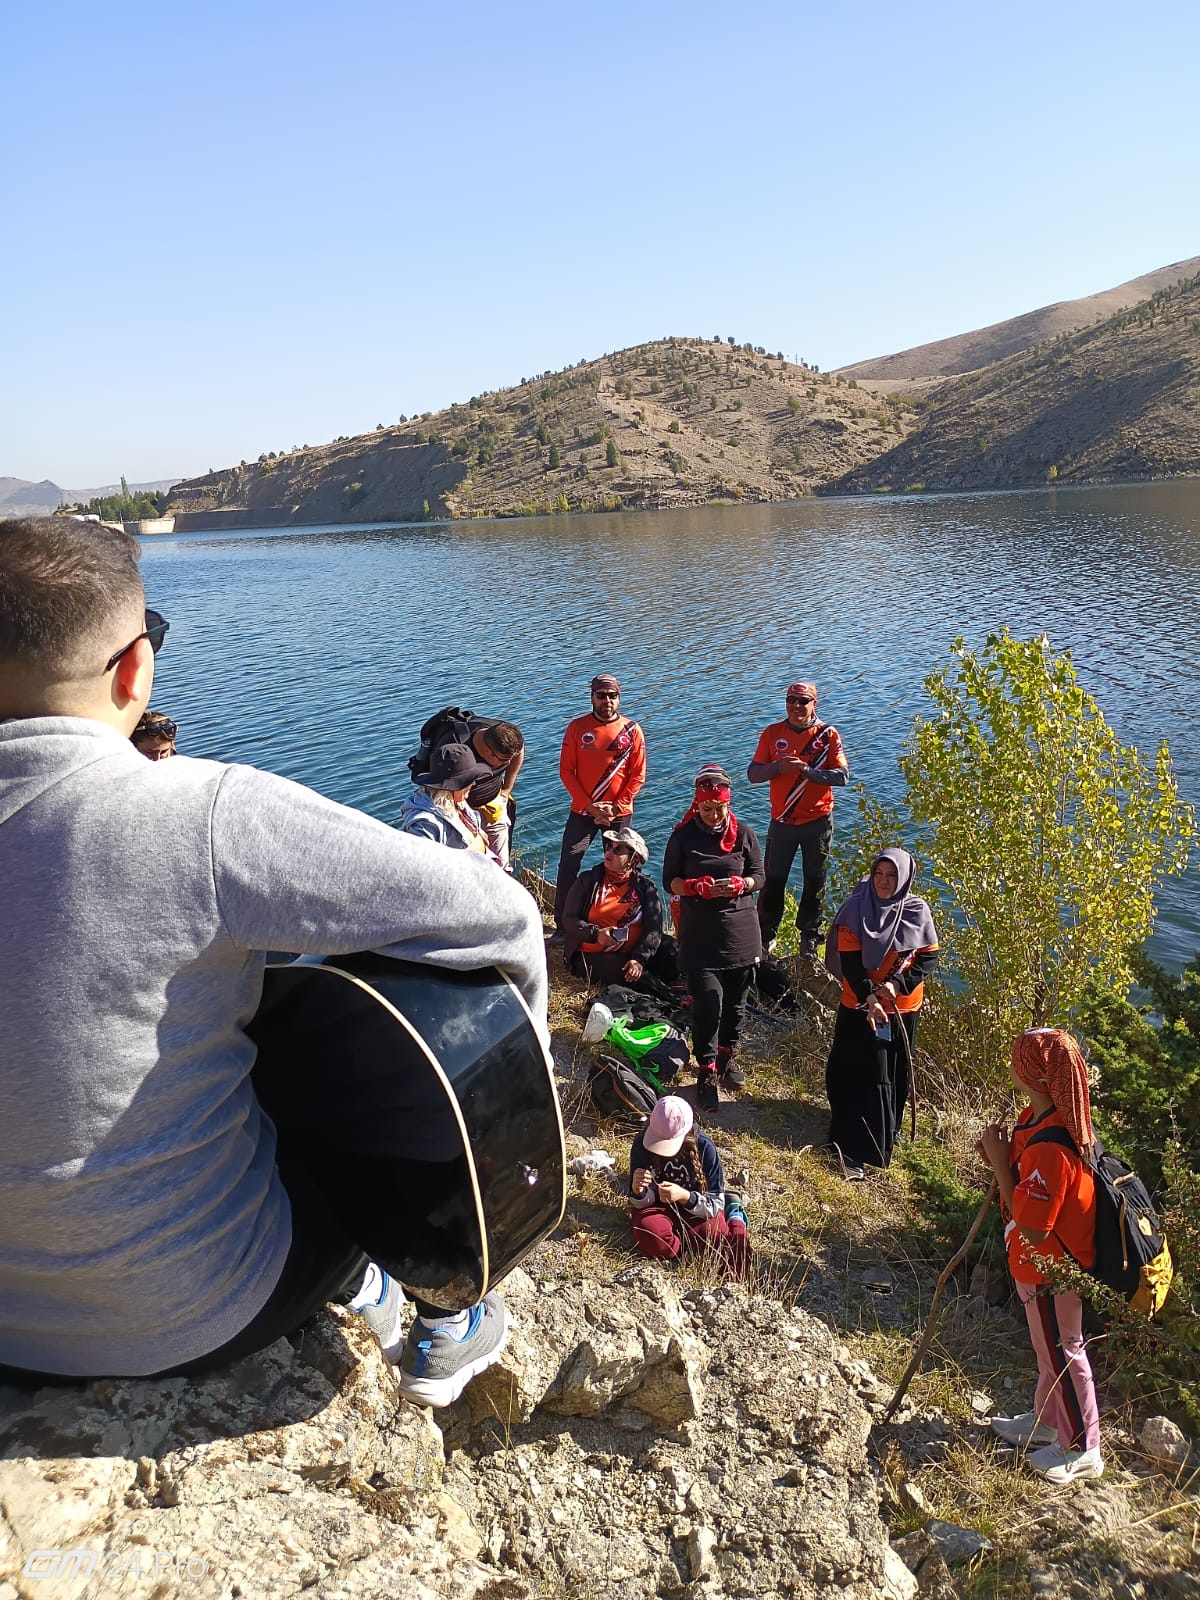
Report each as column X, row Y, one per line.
column 1045, row 838
column 1147, row 1058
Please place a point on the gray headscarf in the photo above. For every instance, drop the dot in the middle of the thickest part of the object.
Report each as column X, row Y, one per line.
column 903, row 922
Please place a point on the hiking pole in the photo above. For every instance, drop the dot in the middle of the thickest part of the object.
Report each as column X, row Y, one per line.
column 912, row 1082
column 931, row 1321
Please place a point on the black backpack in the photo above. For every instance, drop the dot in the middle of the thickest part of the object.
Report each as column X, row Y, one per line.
column 1132, row 1256
column 642, row 1008
column 618, row 1090
column 451, row 725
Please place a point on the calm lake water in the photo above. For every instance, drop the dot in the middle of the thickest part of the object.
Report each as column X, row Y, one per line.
column 317, row 653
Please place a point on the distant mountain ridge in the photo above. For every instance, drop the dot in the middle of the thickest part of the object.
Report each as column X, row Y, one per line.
column 1119, row 401
column 967, row 352
column 21, row 498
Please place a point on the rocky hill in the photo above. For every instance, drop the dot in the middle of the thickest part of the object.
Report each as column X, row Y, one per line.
column 675, row 423
column 1116, row 401
column 632, row 1442
column 966, row 352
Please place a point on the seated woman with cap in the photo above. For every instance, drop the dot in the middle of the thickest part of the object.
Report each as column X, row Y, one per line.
column 437, row 809
column 677, row 1192
column 612, row 920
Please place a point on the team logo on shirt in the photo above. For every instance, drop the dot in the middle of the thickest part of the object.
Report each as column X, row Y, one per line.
column 1034, row 1186
column 588, row 738
column 781, row 744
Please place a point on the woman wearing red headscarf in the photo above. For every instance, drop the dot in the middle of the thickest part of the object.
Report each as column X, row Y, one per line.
column 1048, row 1200
column 883, row 946
column 714, row 864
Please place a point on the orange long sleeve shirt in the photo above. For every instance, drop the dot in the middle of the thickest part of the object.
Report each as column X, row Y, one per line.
column 589, row 749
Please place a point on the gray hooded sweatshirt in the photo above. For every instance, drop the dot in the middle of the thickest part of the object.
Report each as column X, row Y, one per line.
column 142, row 1222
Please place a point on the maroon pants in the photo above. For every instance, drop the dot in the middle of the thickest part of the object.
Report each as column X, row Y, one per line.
column 663, row 1231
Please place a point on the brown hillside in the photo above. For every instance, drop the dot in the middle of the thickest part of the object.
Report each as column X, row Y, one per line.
column 682, row 422
column 969, row 351
column 1120, row 400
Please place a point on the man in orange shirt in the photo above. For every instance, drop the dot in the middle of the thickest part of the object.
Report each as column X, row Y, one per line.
column 602, row 766
column 804, row 762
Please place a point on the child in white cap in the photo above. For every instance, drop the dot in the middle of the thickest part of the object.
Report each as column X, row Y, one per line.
column 677, row 1191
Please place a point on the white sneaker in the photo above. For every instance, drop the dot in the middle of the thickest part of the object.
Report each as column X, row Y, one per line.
column 1058, row 1465
column 380, row 1303
column 437, row 1365
column 1023, row 1430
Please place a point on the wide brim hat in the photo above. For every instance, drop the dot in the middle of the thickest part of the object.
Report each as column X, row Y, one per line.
column 453, row 766
column 631, row 838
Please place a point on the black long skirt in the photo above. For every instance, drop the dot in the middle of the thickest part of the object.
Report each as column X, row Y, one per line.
column 868, row 1084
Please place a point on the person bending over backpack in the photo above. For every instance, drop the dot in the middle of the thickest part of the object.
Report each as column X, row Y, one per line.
column 1048, row 1200
column 677, row 1193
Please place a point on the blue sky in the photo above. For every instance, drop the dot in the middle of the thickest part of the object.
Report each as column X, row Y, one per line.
column 236, row 228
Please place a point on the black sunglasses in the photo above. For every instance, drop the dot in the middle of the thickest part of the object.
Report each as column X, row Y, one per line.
column 156, row 630
column 799, row 700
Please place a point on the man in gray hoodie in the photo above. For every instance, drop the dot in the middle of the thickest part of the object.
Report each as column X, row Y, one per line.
column 144, row 1224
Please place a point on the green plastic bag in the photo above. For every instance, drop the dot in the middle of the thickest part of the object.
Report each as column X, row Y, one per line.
column 631, row 1042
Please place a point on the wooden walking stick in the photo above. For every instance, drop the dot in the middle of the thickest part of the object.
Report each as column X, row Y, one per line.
column 931, row 1321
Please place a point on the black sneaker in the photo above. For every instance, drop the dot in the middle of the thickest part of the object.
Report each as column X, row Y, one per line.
column 707, row 1097
column 810, row 947
column 729, row 1073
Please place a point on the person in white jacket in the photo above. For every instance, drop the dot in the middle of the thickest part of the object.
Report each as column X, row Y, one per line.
column 145, row 1226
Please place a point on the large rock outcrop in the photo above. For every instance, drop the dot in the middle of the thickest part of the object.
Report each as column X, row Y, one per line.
column 633, row 1442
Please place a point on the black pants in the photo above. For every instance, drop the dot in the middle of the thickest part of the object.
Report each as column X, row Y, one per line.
column 867, row 1083
column 577, row 836
column 812, row 839
column 604, row 967
column 718, row 1008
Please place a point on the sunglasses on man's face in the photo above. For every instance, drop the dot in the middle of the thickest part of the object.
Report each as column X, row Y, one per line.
column 798, row 700
column 155, row 631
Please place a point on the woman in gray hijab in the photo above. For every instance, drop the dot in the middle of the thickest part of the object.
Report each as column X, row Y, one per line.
column 883, row 946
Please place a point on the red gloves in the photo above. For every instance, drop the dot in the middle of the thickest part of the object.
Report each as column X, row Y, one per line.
column 738, row 884
column 702, row 886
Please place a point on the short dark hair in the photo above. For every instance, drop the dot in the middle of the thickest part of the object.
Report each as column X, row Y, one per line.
column 505, row 738
column 61, row 581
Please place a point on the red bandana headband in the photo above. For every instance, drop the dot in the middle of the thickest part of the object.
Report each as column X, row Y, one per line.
column 712, row 783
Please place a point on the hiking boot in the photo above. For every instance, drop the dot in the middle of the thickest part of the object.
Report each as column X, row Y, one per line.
column 1061, row 1466
column 707, row 1097
column 735, row 1207
column 380, row 1303
column 437, row 1365
column 729, row 1073
column 1023, row 1430
column 810, row 946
